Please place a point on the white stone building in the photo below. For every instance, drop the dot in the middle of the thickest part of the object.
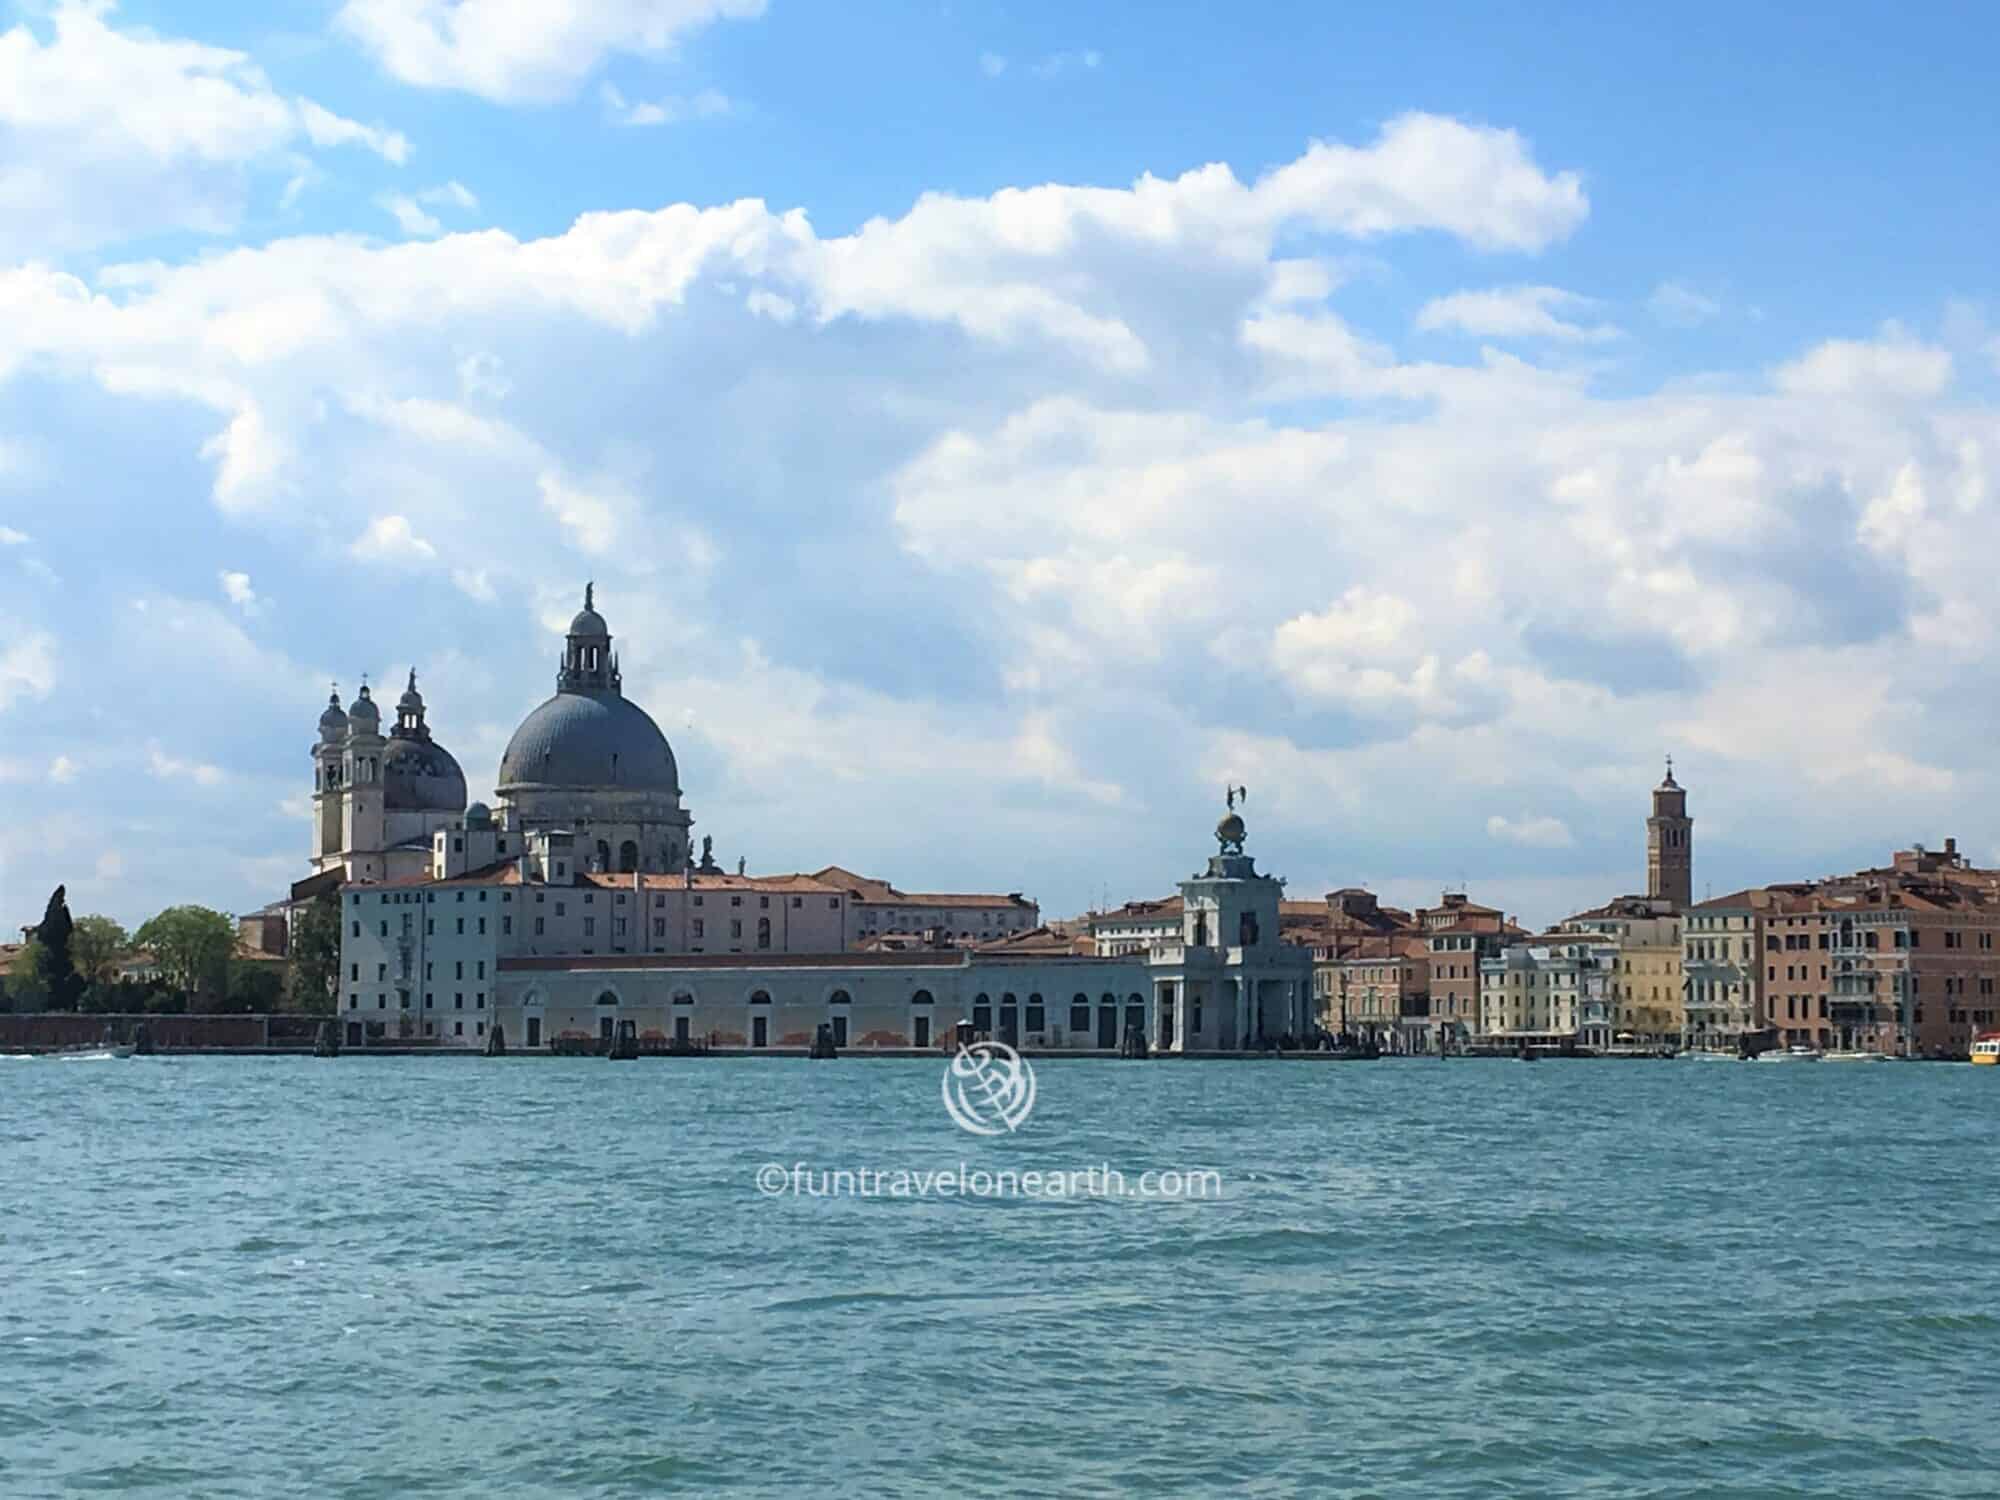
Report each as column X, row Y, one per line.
column 576, row 913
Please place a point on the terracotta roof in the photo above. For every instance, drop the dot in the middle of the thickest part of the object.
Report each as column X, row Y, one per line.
column 933, row 959
column 871, row 892
column 1040, row 940
column 1166, row 909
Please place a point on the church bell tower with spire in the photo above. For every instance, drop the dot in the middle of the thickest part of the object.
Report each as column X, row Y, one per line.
column 1670, row 844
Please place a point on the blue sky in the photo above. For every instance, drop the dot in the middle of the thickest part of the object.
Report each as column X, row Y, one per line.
column 993, row 428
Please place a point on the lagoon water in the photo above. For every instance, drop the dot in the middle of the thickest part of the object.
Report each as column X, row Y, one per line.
column 390, row 1277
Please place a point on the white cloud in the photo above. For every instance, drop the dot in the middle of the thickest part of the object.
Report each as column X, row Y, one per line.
column 391, row 539
column 1058, row 63
column 62, row 770
column 1040, row 423
column 705, row 105
column 1532, row 833
column 9, row 537
column 27, row 663
column 992, row 64
column 1515, row 312
column 1680, row 306
column 409, row 216
column 169, row 767
column 1894, row 364
column 237, row 590
column 522, row 51
column 120, row 132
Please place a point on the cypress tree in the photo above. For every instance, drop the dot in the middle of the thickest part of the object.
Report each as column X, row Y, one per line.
column 65, row 984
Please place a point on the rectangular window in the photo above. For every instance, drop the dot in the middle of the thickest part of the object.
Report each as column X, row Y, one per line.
column 736, row 927
column 764, row 901
column 429, row 1001
column 735, row 900
column 357, row 929
column 506, row 927
column 1079, row 1018
column 482, row 969
column 1038, row 1018
column 353, row 1001
column 538, row 927
column 458, row 1001
column 458, row 1028
column 797, row 902
column 482, row 924
column 458, row 969
column 354, row 971
column 479, row 1001
column 659, row 927
column 697, row 927
column 381, row 972
column 590, row 927
column 385, row 927
column 618, row 927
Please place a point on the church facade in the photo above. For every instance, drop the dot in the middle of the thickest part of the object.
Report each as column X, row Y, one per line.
column 575, row 912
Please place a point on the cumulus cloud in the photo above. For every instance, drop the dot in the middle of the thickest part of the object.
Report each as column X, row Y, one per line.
column 9, row 537
column 1046, row 436
column 1515, row 312
column 1680, row 306
column 116, row 132
column 1532, row 833
column 392, row 540
column 705, row 105
column 62, row 770
column 237, row 590
column 522, row 51
column 27, row 664
column 169, row 768
column 1895, row 364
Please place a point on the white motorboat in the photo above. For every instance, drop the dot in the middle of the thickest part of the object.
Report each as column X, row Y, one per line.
column 1856, row 1057
column 1797, row 1052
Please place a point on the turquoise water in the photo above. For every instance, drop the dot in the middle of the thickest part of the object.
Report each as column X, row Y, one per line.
column 388, row 1277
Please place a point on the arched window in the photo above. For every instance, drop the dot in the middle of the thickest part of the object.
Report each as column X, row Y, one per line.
column 840, row 997
column 1037, row 1018
column 607, row 998
column 603, row 855
column 921, row 997
column 628, row 856
column 763, row 932
column 683, row 997
column 982, row 1013
column 760, row 997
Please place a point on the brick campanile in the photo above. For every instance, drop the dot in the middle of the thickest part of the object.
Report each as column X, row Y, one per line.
column 1670, row 844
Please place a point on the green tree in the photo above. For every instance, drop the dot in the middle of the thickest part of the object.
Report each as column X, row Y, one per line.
column 58, row 971
column 192, row 945
column 255, row 985
column 312, row 964
column 27, row 980
column 95, row 945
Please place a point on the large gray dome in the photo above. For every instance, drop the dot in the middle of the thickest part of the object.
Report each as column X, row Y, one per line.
column 590, row 739
column 421, row 776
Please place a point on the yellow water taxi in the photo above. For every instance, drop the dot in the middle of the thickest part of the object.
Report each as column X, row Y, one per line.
column 1986, row 1048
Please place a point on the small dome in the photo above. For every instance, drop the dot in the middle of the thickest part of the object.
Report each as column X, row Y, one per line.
column 478, row 815
column 587, row 621
column 363, row 707
column 333, row 718
column 421, row 776
column 412, row 700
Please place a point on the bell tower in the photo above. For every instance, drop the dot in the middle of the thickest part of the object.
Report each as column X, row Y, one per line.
column 1670, row 844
